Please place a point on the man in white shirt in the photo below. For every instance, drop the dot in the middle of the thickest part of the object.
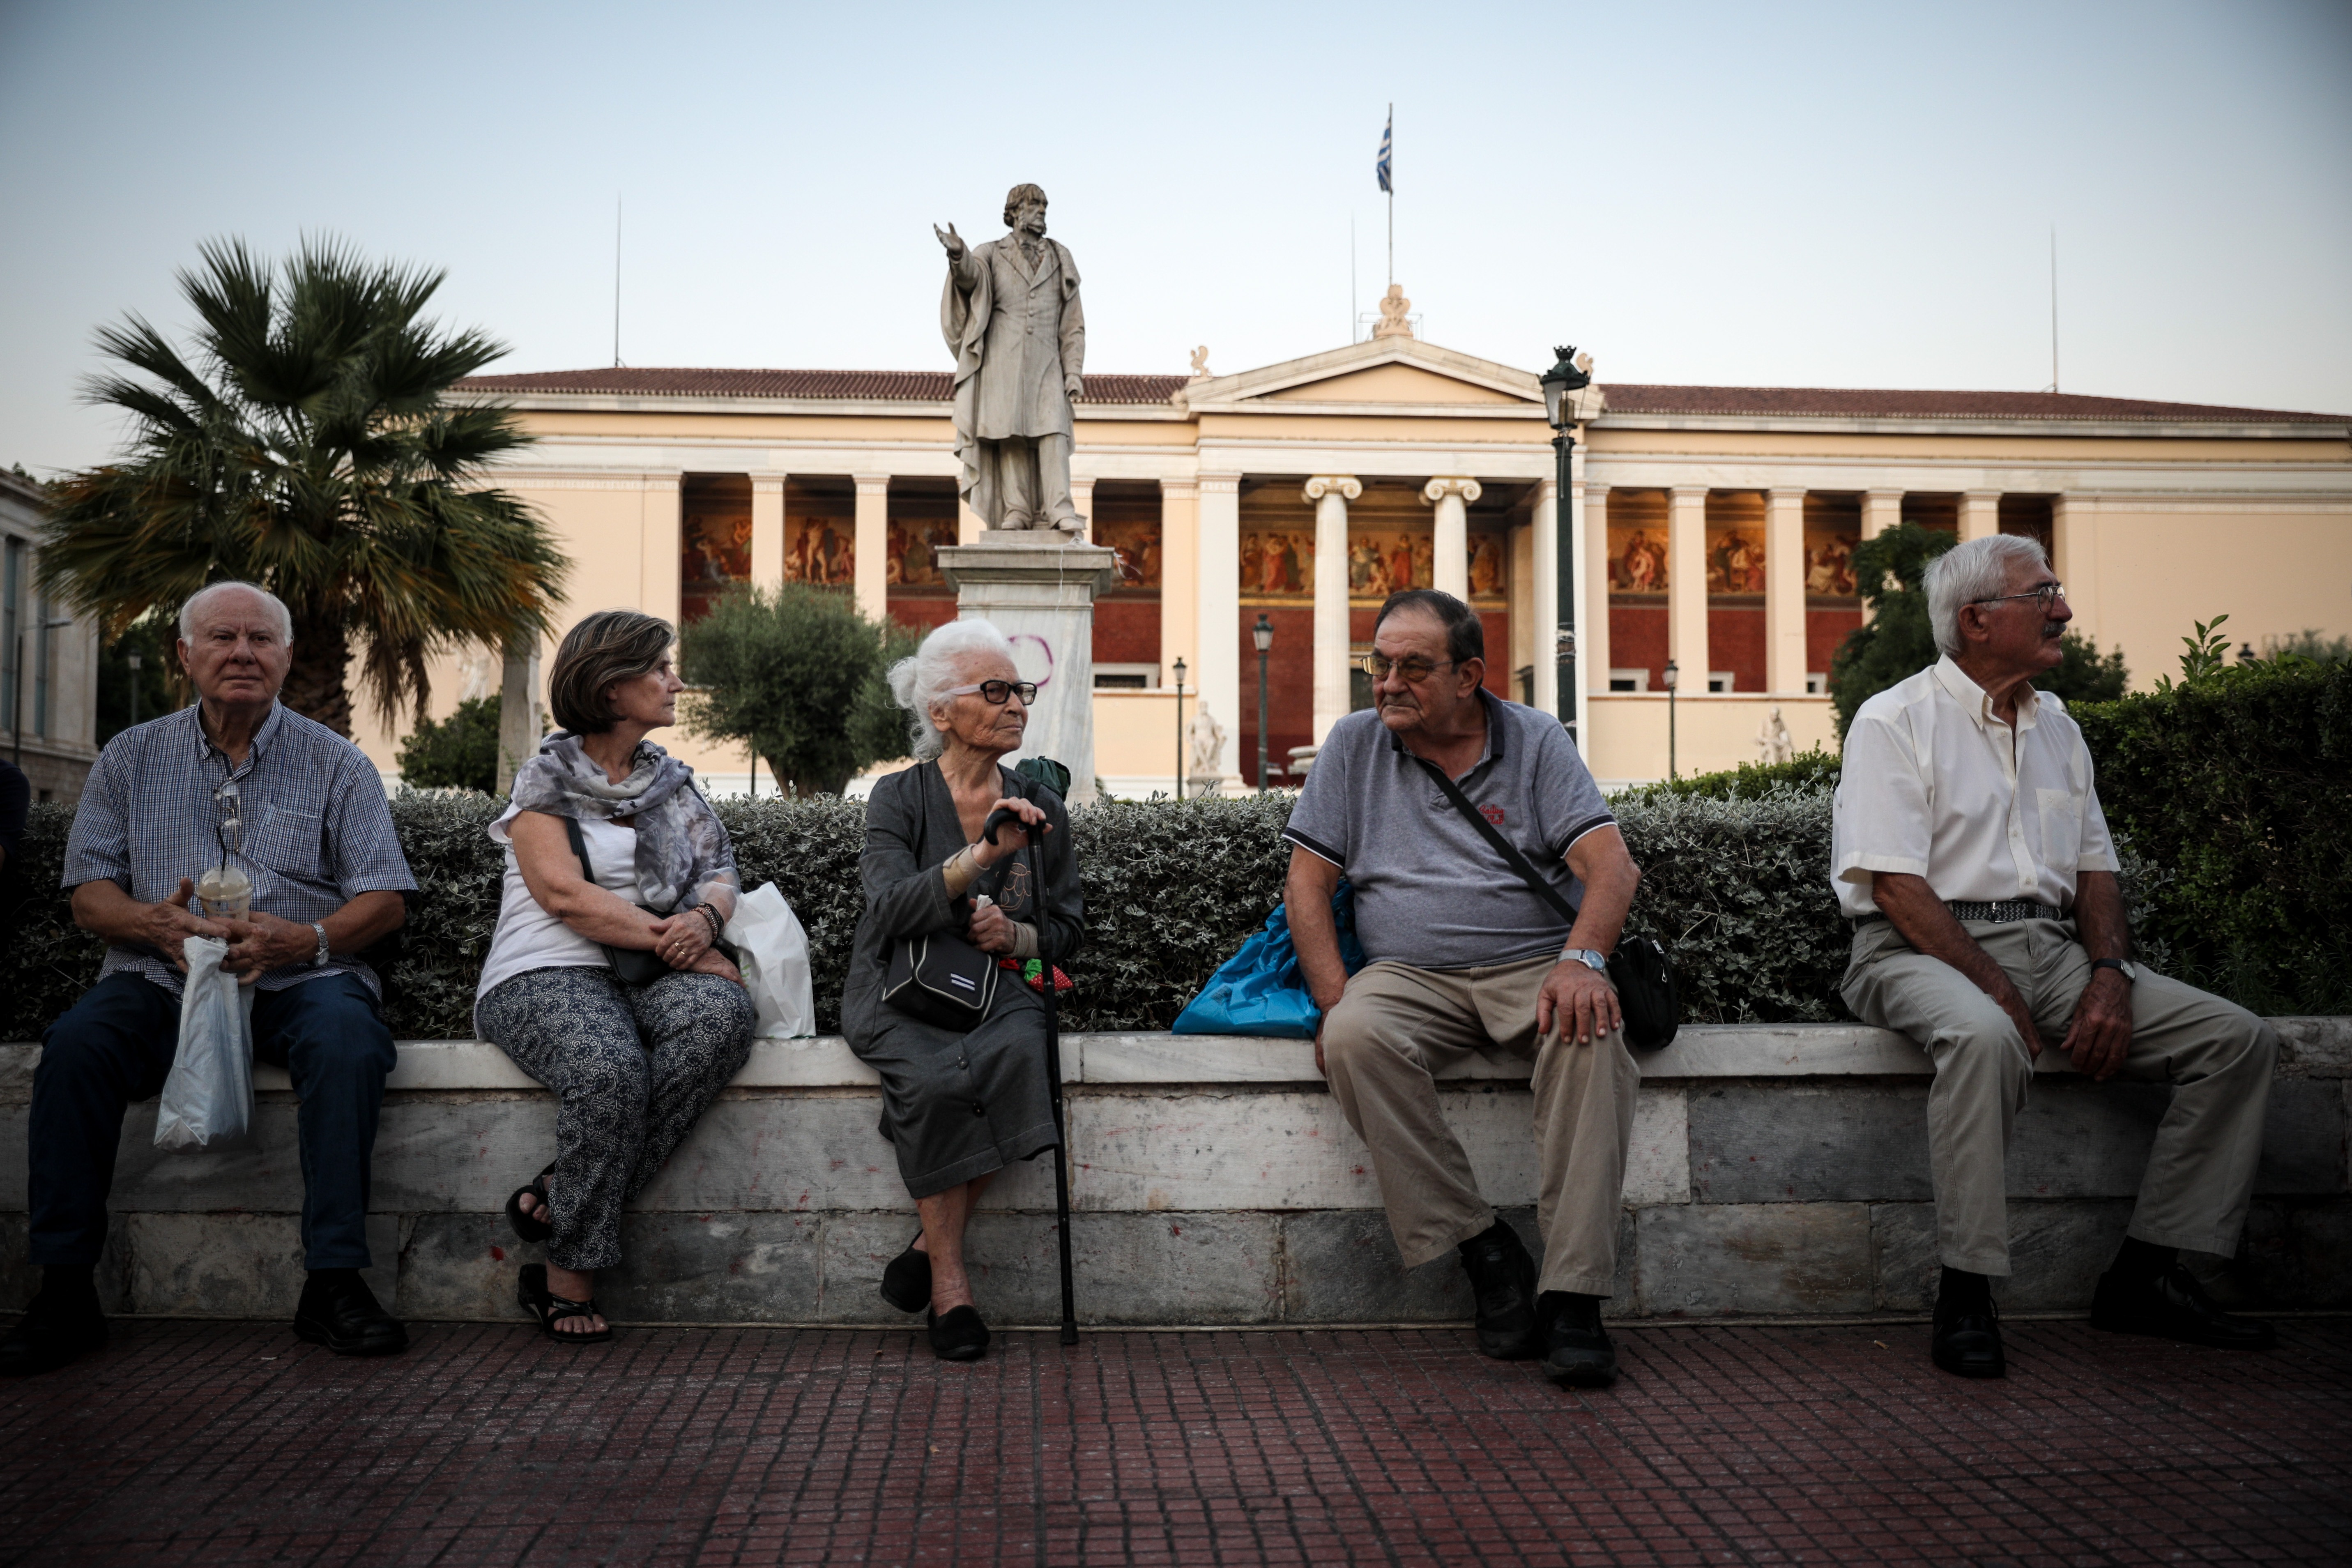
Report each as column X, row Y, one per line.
column 1971, row 853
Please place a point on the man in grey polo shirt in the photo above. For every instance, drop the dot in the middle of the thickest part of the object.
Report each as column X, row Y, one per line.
column 1464, row 957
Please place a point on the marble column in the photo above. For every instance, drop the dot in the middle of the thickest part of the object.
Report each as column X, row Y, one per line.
column 1881, row 509
column 767, row 531
column 1218, row 665
column 1686, row 587
column 658, row 545
column 1979, row 514
column 1450, row 551
column 1546, row 597
column 872, row 546
column 1082, row 496
column 1784, row 592
column 1179, row 584
column 2075, row 557
column 1592, row 593
column 1329, row 495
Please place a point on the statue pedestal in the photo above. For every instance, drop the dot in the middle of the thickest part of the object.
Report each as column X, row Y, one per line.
column 1038, row 588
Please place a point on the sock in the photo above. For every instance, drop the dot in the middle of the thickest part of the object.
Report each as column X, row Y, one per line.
column 2138, row 1261
column 1963, row 1288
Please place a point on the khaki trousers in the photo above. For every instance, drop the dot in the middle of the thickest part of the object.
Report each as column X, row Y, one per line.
column 1391, row 1034
column 2217, row 1055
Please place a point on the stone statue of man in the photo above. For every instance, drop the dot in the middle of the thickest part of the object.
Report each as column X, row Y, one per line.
column 1011, row 314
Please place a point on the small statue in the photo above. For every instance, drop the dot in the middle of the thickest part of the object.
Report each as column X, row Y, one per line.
column 1200, row 371
column 1773, row 738
column 1208, row 738
column 1395, row 309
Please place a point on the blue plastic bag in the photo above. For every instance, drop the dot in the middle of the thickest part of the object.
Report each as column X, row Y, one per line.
column 1259, row 990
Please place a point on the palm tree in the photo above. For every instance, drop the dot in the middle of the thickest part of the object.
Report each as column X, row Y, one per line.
column 308, row 444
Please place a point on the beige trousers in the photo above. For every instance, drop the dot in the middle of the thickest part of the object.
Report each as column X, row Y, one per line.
column 1391, row 1034
column 2217, row 1055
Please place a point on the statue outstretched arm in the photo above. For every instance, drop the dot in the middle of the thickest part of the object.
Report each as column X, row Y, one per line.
column 961, row 260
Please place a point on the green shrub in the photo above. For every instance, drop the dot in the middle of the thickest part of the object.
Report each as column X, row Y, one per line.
column 1813, row 769
column 460, row 751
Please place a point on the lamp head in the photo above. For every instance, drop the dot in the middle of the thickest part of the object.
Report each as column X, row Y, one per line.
column 1563, row 379
column 1262, row 634
column 1673, row 673
column 1179, row 672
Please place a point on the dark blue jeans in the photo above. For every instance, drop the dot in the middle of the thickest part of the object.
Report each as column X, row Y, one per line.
column 116, row 1045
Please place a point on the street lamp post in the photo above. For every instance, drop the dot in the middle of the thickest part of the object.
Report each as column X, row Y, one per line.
column 1180, row 729
column 1568, row 377
column 1262, row 635
column 1674, row 675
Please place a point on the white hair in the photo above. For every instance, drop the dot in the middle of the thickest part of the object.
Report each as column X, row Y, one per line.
column 920, row 684
column 1970, row 572
column 189, row 611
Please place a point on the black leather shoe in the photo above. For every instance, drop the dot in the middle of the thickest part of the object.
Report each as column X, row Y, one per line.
column 1503, row 1278
column 1966, row 1339
column 961, row 1335
column 338, row 1311
column 50, row 1335
column 1577, row 1351
column 2173, row 1305
column 906, row 1278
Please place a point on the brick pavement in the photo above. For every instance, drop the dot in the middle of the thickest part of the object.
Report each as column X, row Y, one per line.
column 231, row 1443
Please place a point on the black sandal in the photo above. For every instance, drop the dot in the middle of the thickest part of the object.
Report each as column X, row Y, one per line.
column 532, row 1294
column 525, row 1226
column 906, row 1278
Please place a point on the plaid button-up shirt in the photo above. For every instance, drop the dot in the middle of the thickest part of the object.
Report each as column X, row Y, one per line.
column 315, row 832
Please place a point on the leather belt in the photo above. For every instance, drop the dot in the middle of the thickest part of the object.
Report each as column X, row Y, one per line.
column 2001, row 912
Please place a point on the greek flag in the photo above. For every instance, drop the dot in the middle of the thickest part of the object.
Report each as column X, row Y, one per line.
column 1381, row 168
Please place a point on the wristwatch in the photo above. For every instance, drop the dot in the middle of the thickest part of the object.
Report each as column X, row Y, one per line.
column 2123, row 966
column 319, row 959
column 1596, row 962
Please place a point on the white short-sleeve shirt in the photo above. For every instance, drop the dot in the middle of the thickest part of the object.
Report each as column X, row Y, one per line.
column 527, row 937
column 1932, row 784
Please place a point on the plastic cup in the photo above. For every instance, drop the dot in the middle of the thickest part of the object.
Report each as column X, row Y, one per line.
column 227, row 893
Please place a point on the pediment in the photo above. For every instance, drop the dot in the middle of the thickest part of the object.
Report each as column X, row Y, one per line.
column 1388, row 373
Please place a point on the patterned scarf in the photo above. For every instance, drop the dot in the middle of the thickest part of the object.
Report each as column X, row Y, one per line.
column 682, row 851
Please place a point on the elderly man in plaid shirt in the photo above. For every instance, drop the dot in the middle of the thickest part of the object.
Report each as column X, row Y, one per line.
column 316, row 841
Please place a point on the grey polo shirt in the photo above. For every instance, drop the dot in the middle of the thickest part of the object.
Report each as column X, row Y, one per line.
column 1429, row 891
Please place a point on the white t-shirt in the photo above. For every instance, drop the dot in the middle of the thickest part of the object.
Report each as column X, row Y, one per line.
column 1932, row 784
column 527, row 937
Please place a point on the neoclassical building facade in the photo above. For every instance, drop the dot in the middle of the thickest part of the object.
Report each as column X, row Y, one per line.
column 1711, row 526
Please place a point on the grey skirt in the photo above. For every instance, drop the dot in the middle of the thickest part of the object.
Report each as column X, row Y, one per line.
column 957, row 1106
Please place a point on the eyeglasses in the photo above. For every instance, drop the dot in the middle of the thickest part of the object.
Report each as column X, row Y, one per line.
column 1415, row 670
column 2049, row 594
column 996, row 692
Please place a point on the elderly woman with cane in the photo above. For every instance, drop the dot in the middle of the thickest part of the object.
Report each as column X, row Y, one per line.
column 959, row 847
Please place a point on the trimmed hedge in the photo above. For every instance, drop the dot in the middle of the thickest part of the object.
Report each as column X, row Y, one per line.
column 1733, row 887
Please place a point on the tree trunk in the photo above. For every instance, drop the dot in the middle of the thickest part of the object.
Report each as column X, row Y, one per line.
column 315, row 686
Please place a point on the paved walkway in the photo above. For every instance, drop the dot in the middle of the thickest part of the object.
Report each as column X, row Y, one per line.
column 231, row 1443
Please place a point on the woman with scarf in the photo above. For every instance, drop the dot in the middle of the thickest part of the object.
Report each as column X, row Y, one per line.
column 635, row 1050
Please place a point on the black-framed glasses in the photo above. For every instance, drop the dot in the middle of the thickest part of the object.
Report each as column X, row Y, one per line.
column 2049, row 594
column 998, row 692
column 1415, row 670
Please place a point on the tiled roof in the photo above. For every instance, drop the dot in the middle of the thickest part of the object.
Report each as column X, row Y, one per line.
column 1870, row 403
column 893, row 385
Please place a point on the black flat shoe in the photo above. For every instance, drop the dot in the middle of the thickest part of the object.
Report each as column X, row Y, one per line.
column 961, row 1335
column 1503, row 1278
column 525, row 1225
column 534, row 1296
column 46, row 1338
column 2173, row 1305
column 338, row 1311
column 1966, row 1340
column 1577, row 1351
column 907, row 1280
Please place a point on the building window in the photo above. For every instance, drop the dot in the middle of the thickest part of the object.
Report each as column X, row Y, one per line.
column 1629, row 679
column 1817, row 683
column 1126, row 677
column 1721, row 680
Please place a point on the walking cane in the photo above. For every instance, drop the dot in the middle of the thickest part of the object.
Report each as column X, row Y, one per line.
column 1053, row 1068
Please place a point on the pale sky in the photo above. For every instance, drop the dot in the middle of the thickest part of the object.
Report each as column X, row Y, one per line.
column 1784, row 194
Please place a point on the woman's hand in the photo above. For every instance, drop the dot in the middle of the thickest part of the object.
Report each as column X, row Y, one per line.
column 990, row 930
column 714, row 961
column 680, row 939
column 1010, row 839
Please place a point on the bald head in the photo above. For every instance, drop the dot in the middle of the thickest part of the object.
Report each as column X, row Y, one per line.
column 247, row 597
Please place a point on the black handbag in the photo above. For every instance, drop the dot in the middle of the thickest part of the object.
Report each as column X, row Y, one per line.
column 942, row 979
column 630, row 965
column 1638, row 968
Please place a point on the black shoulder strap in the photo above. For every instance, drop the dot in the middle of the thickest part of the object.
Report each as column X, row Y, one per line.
column 580, row 848
column 1503, row 846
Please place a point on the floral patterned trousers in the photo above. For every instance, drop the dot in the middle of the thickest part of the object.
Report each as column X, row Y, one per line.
column 632, row 1069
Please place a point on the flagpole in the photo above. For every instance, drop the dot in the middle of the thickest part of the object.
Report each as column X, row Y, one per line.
column 1391, row 140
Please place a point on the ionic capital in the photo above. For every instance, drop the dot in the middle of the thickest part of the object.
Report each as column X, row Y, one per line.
column 1347, row 486
column 1444, row 485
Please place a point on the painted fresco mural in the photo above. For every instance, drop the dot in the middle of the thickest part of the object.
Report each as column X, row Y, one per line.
column 1278, row 563
column 1488, row 552
column 1829, row 562
column 821, row 550
column 1637, row 558
column 1137, row 544
column 912, row 564
column 715, row 552
column 1384, row 561
column 1735, row 561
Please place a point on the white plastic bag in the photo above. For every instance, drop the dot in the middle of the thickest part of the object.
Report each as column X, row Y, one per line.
column 771, row 951
column 209, row 1095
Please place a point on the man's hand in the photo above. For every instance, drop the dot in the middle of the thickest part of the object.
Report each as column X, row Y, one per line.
column 951, row 240
column 2100, row 1036
column 2013, row 1004
column 165, row 926
column 990, row 930
column 1581, row 1001
column 261, row 942
column 680, row 939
